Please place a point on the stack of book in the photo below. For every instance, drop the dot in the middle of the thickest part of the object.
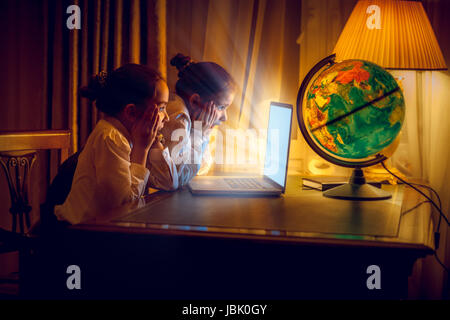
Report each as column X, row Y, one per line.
column 323, row 183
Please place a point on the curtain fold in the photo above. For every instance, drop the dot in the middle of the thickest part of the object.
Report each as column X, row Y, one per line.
column 118, row 10
column 104, row 44
column 157, row 39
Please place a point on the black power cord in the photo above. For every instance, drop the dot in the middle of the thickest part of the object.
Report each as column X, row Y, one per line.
column 418, row 190
column 440, row 262
column 437, row 196
column 439, row 208
column 415, row 207
column 437, row 234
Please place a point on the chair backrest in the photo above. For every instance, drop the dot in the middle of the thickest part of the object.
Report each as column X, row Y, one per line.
column 58, row 191
column 36, row 140
column 17, row 155
column 60, row 187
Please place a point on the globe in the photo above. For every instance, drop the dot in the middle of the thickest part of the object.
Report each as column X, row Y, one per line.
column 349, row 113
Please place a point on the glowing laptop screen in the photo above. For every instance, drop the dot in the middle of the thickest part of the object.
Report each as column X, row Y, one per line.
column 278, row 138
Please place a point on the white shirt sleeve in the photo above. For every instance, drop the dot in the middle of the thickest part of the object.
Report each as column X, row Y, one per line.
column 186, row 146
column 118, row 180
column 163, row 172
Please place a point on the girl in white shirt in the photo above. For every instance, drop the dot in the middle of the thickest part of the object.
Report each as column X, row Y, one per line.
column 111, row 169
column 204, row 92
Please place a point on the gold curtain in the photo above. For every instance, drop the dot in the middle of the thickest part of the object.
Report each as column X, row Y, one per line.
column 45, row 63
column 113, row 32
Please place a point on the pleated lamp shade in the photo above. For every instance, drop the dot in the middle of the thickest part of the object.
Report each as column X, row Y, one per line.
column 393, row 34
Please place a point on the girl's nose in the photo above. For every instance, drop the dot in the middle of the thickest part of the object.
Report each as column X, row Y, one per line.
column 224, row 116
column 166, row 116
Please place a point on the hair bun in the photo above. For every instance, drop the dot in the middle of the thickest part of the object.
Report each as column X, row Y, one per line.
column 95, row 86
column 180, row 61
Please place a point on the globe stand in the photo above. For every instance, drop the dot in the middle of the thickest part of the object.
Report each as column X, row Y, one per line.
column 357, row 189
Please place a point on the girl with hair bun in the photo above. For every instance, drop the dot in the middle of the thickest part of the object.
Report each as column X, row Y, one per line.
column 112, row 167
column 204, row 92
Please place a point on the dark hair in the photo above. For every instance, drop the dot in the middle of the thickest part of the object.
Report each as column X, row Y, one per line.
column 131, row 83
column 207, row 79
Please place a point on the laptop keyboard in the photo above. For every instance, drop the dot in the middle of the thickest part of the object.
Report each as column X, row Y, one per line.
column 243, row 183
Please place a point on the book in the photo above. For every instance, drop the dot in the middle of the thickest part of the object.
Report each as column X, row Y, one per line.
column 323, row 183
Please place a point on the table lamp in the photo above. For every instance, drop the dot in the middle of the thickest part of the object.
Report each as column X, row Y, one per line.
column 393, row 34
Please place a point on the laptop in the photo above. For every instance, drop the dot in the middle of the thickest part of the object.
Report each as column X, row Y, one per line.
column 273, row 180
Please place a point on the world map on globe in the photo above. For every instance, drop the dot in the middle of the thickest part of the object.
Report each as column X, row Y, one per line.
column 354, row 109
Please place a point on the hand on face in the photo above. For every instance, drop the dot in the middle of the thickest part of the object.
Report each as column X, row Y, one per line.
column 145, row 129
column 161, row 120
column 208, row 115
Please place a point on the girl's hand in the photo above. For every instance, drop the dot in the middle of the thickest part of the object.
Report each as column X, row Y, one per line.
column 208, row 116
column 158, row 143
column 144, row 130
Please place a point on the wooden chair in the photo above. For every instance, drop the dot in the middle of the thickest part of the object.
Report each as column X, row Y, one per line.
column 17, row 156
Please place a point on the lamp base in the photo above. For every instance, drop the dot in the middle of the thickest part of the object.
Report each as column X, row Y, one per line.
column 357, row 189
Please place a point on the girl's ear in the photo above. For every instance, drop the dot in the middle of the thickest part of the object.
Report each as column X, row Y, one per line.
column 194, row 101
column 130, row 112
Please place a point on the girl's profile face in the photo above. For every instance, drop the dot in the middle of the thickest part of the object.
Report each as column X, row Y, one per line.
column 221, row 103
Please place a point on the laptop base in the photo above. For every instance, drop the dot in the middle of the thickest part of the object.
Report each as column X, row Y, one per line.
column 217, row 185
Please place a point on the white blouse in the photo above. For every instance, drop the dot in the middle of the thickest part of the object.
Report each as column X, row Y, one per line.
column 105, row 178
column 188, row 147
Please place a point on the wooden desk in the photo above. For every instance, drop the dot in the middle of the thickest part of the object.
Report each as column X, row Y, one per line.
column 300, row 245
